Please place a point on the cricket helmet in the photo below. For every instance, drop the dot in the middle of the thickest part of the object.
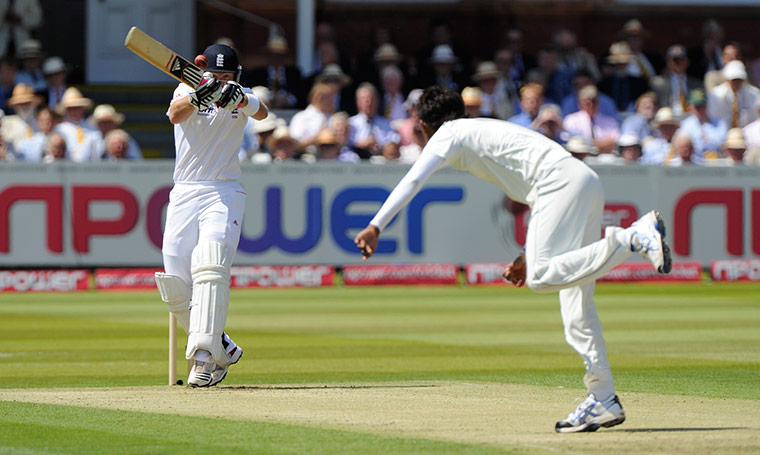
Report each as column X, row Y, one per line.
column 222, row 59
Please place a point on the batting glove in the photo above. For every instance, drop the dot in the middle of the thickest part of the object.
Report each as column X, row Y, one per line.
column 207, row 93
column 232, row 96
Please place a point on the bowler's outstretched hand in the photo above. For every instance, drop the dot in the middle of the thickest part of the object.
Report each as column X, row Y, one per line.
column 366, row 240
column 515, row 271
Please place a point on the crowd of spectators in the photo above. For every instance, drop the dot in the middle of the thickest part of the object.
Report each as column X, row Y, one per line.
column 631, row 105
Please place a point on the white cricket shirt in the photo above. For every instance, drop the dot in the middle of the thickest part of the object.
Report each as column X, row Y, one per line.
column 208, row 142
column 508, row 155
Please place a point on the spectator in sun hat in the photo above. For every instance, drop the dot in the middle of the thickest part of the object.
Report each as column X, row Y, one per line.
column 580, row 149
column 281, row 77
column 82, row 137
column 487, row 76
column 623, row 88
column 731, row 51
column 674, row 84
column 629, row 148
column 23, row 123
column 734, row 100
column 707, row 134
column 733, row 149
column 343, row 98
column 106, row 119
column 658, row 150
column 473, row 100
column 443, row 63
column 644, row 63
column 284, row 146
column 54, row 70
column 30, row 56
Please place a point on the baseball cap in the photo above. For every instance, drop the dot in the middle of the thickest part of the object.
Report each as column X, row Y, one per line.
column 221, row 59
column 697, row 98
column 734, row 70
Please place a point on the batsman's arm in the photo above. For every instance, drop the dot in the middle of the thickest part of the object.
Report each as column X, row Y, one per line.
column 180, row 110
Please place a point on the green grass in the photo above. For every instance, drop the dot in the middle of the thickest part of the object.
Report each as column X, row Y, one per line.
column 696, row 339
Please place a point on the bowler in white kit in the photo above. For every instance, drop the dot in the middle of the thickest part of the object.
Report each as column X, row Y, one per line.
column 205, row 211
column 563, row 251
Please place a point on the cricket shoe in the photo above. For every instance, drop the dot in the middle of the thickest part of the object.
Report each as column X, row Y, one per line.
column 592, row 414
column 200, row 374
column 649, row 241
column 234, row 352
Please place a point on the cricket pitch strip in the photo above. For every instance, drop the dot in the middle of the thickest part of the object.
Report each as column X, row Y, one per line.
column 513, row 417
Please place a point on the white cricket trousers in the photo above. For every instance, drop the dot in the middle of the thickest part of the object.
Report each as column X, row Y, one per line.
column 199, row 212
column 563, row 253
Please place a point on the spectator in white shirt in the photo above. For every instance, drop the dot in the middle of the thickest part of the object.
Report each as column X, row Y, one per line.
column 734, row 100
column 306, row 124
column 371, row 134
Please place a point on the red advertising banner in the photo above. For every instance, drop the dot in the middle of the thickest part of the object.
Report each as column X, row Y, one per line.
column 735, row 270
column 485, row 273
column 106, row 279
column 44, row 280
column 407, row 274
column 282, row 276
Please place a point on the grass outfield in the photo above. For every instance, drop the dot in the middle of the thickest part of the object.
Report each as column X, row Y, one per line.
column 382, row 370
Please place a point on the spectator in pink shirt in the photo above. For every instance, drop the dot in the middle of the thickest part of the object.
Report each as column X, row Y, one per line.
column 596, row 128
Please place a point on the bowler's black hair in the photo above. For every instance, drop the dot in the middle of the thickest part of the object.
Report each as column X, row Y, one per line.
column 439, row 105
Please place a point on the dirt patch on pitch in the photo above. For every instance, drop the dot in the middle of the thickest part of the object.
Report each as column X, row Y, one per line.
column 514, row 417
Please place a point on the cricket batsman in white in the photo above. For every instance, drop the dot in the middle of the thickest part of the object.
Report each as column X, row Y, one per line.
column 563, row 251
column 205, row 211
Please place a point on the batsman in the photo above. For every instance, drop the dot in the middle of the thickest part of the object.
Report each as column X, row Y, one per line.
column 205, row 210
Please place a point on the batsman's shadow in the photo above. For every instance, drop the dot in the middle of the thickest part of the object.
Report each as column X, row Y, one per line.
column 670, row 430
column 326, row 387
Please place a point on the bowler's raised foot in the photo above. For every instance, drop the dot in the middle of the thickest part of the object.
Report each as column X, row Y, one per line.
column 649, row 241
column 591, row 415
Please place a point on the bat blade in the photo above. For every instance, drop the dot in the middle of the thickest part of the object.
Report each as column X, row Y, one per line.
column 163, row 58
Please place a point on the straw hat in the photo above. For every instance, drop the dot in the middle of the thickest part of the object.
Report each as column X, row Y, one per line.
column 104, row 112
column 270, row 123
column 472, row 96
column 23, row 93
column 620, row 53
column 72, row 97
column 277, row 45
column 326, row 137
column 443, row 54
column 413, row 98
column 664, row 116
column 387, row 53
column 281, row 133
column 578, row 145
column 633, row 27
column 30, row 48
column 486, row 70
column 333, row 73
column 735, row 139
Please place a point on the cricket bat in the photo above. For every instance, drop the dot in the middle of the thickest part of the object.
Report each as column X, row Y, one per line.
column 163, row 58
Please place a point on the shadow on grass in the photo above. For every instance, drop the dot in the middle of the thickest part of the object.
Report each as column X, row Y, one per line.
column 324, row 387
column 667, row 430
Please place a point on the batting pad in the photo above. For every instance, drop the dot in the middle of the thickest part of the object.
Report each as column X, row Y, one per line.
column 210, row 266
column 176, row 294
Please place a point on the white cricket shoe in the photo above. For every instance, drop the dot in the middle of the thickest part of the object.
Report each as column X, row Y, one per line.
column 234, row 352
column 592, row 414
column 200, row 374
column 649, row 241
